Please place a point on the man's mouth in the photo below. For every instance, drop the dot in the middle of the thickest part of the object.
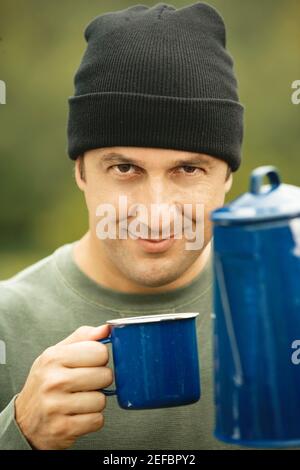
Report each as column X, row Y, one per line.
column 157, row 245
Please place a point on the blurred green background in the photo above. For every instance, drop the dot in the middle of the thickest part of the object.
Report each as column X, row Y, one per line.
column 41, row 44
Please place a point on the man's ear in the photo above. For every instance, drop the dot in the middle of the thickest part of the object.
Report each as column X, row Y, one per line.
column 228, row 183
column 79, row 174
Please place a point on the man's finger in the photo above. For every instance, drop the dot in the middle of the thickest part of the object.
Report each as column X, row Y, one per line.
column 86, row 379
column 82, row 403
column 87, row 333
column 83, row 354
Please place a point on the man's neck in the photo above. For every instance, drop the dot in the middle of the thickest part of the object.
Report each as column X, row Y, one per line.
column 94, row 264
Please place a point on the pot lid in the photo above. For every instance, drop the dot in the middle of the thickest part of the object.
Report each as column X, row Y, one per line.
column 262, row 202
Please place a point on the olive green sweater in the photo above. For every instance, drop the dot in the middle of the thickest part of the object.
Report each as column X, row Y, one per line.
column 44, row 303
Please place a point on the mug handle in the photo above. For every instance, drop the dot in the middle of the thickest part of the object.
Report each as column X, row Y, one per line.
column 105, row 390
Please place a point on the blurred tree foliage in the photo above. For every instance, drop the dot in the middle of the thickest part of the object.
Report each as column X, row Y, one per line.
column 41, row 44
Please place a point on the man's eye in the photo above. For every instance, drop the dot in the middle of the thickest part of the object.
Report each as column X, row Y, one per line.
column 123, row 168
column 192, row 170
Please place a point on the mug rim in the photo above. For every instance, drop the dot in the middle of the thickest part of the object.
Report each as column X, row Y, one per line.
column 152, row 318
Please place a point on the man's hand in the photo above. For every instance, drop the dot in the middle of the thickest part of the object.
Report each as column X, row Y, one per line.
column 60, row 401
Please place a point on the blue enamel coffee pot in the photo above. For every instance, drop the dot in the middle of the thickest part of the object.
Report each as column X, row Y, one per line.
column 256, row 265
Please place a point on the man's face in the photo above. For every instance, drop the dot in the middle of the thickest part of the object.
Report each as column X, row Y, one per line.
column 152, row 176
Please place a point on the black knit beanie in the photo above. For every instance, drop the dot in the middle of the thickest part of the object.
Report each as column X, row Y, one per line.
column 157, row 77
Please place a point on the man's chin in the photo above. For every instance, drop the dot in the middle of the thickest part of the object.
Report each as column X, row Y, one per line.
column 153, row 282
column 160, row 277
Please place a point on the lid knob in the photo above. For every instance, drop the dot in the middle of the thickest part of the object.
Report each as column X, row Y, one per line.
column 258, row 175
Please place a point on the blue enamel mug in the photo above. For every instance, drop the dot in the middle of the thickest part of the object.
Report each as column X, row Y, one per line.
column 155, row 360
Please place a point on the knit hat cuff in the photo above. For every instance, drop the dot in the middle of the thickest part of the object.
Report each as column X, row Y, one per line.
column 108, row 119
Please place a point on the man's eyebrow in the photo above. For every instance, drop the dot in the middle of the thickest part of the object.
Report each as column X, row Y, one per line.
column 200, row 159
column 114, row 157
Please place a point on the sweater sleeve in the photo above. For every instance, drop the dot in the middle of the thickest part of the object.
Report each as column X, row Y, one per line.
column 11, row 437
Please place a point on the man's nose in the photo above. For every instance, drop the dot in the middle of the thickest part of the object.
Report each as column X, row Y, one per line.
column 159, row 207
column 157, row 190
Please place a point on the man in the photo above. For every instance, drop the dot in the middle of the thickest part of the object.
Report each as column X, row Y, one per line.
column 156, row 120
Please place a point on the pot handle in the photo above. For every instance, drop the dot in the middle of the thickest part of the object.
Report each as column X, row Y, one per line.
column 257, row 176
